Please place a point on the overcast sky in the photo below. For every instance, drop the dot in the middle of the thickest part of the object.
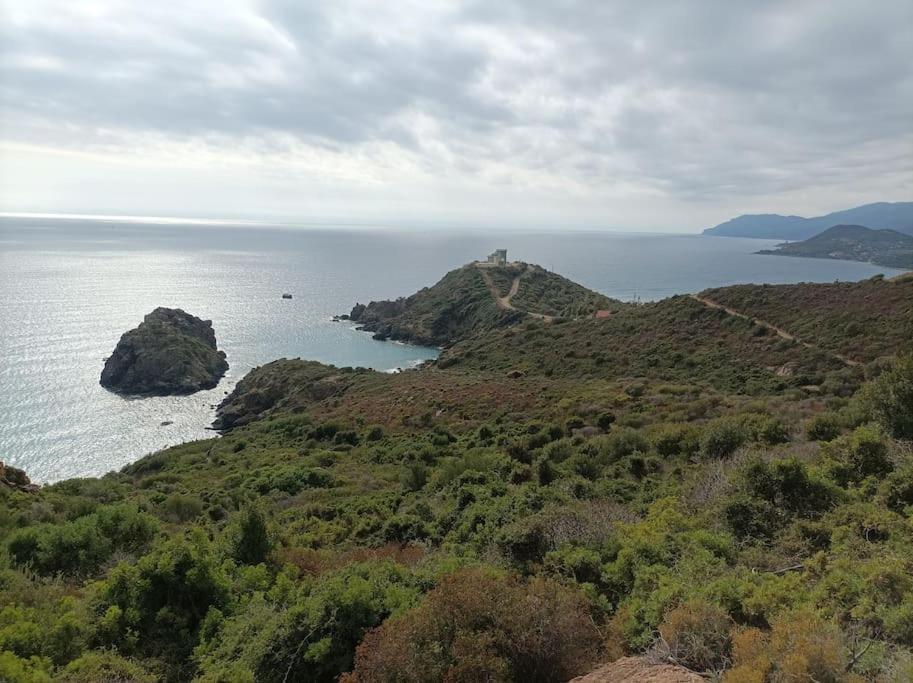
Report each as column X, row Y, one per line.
column 568, row 114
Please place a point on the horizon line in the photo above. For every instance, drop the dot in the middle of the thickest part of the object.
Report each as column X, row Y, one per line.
column 288, row 223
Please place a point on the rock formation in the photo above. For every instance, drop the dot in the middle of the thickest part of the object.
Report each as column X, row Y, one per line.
column 171, row 352
column 14, row 478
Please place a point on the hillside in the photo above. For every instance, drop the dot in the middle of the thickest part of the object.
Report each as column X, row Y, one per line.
column 672, row 487
column 882, row 215
column 545, row 293
column 853, row 243
column 862, row 320
column 475, row 299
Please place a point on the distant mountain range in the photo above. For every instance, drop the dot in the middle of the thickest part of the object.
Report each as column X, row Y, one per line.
column 854, row 243
column 890, row 215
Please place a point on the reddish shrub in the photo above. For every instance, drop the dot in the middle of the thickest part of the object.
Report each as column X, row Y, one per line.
column 696, row 635
column 476, row 626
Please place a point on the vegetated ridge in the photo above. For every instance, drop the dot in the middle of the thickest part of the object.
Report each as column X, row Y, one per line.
column 475, row 299
column 853, row 243
column 673, row 491
column 882, row 215
column 170, row 352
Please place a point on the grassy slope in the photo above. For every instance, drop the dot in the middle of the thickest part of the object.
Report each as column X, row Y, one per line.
column 863, row 320
column 548, row 293
column 676, row 339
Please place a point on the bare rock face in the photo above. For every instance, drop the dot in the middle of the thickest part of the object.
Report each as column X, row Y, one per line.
column 171, row 352
column 14, row 478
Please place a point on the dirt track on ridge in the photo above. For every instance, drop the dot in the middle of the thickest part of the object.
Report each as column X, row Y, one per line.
column 504, row 302
column 710, row 303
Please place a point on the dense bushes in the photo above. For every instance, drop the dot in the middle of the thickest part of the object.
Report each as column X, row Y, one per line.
column 291, row 479
column 313, row 637
column 823, row 427
column 772, row 493
column 862, row 454
column 481, row 626
column 798, row 648
column 156, row 606
column 81, row 546
column 891, row 398
column 699, row 528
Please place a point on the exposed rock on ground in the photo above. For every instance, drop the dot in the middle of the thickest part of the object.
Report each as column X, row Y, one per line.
column 639, row 670
column 14, row 478
column 171, row 352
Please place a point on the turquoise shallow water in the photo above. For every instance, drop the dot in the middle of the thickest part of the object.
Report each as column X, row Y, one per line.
column 70, row 288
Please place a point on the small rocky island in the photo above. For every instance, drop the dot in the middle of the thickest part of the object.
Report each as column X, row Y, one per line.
column 171, row 352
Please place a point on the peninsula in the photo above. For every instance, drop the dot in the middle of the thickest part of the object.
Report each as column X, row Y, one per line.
column 853, row 243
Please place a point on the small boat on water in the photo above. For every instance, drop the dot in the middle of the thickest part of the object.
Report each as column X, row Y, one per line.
column 286, row 296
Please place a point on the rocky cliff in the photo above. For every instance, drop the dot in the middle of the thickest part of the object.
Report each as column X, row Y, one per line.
column 171, row 352
column 288, row 385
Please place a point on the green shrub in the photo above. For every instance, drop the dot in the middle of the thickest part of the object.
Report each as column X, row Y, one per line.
column 721, row 438
column 291, row 479
column 104, row 667
column 83, row 545
column 770, row 494
column 251, row 543
column 314, row 639
column 621, row 443
column 823, row 427
column 414, row 477
column 161, row 600
column 605, row 421
column 766, row 429
column 180, row 507
column 375, row 433
column 15, row 669
column 898, row 623
column 676, row 439
column 862, row 454
column 897, row 489
column 891, row 398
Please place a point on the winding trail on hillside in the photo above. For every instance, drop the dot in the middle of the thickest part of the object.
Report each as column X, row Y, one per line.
column 780, row 332
column 504, row 302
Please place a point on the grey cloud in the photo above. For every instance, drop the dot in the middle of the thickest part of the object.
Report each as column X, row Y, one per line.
column 698, row 99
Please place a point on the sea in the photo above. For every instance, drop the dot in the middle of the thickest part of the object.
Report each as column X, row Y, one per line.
column 69, row 287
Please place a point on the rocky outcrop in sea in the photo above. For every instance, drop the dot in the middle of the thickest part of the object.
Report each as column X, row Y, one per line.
column 171, row 352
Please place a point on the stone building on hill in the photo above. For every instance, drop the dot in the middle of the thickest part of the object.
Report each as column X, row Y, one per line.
column 498, row 257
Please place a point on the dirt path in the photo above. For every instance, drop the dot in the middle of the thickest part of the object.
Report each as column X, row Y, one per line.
column 504, row 301
column 710, row 303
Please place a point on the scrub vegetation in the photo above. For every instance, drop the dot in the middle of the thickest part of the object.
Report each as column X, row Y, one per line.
column 669, row 482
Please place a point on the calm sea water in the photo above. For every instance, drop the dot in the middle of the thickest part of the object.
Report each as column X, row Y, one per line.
column 70, row 288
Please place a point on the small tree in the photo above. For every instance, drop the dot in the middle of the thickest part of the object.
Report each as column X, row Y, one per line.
column 891, row 398
column 252, row 544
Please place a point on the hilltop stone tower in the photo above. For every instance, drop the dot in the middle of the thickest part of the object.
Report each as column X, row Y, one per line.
column 498, row 257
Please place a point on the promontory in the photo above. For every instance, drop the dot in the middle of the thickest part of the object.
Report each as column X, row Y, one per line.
column 170, row 352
